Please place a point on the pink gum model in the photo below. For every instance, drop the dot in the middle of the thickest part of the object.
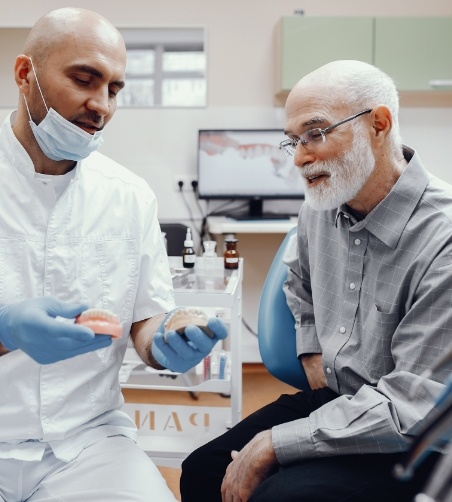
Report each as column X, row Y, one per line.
column 101, row 321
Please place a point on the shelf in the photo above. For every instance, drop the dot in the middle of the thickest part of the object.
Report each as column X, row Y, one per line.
column 136, row 375
column 224, row 225
column 418, row 99
column 142, row 379
column 167, row 433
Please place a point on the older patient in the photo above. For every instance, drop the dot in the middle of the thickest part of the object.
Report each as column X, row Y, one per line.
column 370, row 286
column 77, row 230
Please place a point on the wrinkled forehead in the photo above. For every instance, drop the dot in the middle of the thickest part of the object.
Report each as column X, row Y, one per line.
column 313, row 104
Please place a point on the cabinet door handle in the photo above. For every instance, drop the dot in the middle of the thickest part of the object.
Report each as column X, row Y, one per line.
column 440, row 83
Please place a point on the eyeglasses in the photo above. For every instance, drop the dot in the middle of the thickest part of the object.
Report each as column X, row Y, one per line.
column 314, row 136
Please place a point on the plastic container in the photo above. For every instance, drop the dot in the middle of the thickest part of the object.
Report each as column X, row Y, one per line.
column 209, row 254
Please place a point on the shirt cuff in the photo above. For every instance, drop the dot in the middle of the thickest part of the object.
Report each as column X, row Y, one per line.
column 293, row 442
column 307, row 342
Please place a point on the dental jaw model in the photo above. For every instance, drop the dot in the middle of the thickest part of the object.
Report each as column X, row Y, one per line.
column 101, row 321
column 183, row 317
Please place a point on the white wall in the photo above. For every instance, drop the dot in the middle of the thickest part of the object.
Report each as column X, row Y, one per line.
column 159, row 144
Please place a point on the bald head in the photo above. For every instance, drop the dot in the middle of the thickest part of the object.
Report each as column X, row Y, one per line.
column 74, row 63
column 68, row 25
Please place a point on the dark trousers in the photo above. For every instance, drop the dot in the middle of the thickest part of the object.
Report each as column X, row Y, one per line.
column 350, row 478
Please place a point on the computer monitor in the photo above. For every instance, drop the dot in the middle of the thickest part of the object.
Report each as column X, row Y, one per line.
column 246, row 164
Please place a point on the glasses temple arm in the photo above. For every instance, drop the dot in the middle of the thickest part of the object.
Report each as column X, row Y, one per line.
column 330, row 128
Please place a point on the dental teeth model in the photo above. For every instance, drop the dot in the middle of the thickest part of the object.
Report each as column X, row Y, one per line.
column 185, row 317
column 101, row 321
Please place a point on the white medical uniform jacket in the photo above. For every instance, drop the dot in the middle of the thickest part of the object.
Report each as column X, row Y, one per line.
column 99, row 243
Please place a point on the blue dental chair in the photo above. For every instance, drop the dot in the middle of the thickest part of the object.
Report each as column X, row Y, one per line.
column 276, row 325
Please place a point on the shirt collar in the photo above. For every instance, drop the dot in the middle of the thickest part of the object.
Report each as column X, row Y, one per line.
column 389, row 218
column 16, row 153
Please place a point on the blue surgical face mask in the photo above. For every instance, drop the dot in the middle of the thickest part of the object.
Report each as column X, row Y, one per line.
column 58, row 138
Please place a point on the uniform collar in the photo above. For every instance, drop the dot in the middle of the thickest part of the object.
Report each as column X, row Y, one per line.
column 16, row 153
column 390, row 217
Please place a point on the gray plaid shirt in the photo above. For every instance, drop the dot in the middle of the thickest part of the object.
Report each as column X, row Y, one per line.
column 375, row 298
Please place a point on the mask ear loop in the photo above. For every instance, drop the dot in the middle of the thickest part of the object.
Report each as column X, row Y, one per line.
column 40, row 91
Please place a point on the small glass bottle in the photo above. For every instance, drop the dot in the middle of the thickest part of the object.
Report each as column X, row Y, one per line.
column 209, row 254
column 231, row 255
column 188, row 253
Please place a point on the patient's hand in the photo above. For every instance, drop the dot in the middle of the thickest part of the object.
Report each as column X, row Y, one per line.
column 3, row 350
column 312, row 364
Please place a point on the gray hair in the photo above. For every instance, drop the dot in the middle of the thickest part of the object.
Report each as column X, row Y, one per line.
column 360, row 86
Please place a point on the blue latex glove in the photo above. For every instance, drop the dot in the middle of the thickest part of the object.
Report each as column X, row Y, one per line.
column 178, row 354
column 30, row 325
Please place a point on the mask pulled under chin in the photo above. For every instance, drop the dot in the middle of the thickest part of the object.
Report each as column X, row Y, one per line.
column 59, row 139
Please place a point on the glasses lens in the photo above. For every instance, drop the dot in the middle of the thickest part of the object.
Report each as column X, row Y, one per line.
column 308, row 139
column 312, row 136
column 287, row 146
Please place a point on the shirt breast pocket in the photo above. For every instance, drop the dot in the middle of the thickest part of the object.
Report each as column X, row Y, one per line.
column 105, row 275
column 13, row 269
column 379, row 329
column 117, row 264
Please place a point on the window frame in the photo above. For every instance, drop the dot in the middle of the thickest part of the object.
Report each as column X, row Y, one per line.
column 162, row 40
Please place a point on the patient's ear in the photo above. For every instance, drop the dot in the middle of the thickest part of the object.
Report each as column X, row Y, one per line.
column 381, row 118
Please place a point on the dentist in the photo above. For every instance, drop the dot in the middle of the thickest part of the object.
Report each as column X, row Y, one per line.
column 77, row 230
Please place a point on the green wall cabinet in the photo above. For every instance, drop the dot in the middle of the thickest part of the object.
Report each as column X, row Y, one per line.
column 309, row 42
column 416, row 52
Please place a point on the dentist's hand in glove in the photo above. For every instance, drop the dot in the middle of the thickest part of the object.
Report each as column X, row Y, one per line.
column 180, row 353
column 30, row 325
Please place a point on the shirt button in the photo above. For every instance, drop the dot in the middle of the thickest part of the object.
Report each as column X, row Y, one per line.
column 357, row 242
column 352, row 285
column 328, row 370
column 342, row 329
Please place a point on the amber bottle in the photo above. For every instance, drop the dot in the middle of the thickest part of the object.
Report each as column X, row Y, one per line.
column 231, row 255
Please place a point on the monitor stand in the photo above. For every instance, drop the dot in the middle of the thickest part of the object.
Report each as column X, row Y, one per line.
column 255, row 213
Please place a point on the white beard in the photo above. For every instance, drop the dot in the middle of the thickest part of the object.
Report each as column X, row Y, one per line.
column 347, row 175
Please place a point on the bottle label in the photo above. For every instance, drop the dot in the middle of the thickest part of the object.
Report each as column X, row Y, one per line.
column 189, row 258
column 231, row 260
